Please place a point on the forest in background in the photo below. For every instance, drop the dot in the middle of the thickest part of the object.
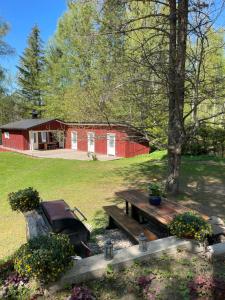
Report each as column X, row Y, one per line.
column 111, row 61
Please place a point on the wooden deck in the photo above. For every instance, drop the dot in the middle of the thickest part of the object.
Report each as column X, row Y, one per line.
column 130, row 226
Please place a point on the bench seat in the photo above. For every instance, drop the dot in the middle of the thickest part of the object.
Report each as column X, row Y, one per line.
column 129, row 225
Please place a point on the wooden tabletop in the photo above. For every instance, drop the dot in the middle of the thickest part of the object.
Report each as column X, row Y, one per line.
column 164, row 213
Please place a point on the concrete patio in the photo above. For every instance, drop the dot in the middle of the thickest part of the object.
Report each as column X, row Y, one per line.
column 61, row 153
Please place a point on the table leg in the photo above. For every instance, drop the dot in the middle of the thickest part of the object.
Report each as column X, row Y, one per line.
column 127, row 208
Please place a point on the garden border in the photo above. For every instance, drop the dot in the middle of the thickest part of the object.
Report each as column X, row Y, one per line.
column 96, row 266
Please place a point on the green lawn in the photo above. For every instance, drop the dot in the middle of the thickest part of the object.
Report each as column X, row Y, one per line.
column 91, row 184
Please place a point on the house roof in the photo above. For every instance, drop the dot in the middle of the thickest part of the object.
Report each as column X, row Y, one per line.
column 100, row 124
column 31, row 123
column 25, row 124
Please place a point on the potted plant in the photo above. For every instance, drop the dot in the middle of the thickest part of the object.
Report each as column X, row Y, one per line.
column 24, row 200
column 190, row 225
column 155, row 193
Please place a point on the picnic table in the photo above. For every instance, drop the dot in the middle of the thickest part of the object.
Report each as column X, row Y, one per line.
column 139, row 202
column 139, row 210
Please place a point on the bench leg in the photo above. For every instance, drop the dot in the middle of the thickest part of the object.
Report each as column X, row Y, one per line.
column 112, row 224
column 135, row 213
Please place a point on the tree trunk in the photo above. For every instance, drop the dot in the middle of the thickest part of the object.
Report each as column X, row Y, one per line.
column 176, row 80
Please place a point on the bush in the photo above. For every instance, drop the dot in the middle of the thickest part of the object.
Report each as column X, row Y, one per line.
column 24, row 200
column 44, row 258
column 190, row 225
column 206, row 140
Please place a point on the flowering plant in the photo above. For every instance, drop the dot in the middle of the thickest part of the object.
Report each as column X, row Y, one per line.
column 190, row 225
column 44, row 257
column 24, row 200
column 81, row 293
column 15, row 287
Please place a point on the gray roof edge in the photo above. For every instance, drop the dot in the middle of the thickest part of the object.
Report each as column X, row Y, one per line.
column 27, row 124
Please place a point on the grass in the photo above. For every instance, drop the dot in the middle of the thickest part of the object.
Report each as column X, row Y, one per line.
column 91, row 184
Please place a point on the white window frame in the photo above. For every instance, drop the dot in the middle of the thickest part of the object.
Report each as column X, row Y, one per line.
column 6, row 134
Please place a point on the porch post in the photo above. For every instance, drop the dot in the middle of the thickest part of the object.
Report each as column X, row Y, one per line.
column 31, row 140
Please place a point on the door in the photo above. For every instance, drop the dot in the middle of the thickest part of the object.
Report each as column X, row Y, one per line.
column 91, row 142
column 74, row 140
column 111, row 144
column 33, row 140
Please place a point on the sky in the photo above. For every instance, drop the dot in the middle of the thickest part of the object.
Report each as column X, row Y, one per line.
column 22, row 15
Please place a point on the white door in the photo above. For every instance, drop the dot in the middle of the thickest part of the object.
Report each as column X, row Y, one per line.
column 91, row 142
column 74, row 140
column 111, row 144
column 33, row 140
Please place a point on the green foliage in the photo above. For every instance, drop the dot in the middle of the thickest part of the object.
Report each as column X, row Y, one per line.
column 14, row 293
column 16, row 287
column 24, row 200
column 190, row 225
column 29, row 70
column 207, row 140
column 155, row 189
column 44, row 258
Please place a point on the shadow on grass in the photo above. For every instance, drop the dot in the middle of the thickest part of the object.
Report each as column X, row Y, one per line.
column 99, row 223
column 139, row 174
column 202, row 184
column 203, row 187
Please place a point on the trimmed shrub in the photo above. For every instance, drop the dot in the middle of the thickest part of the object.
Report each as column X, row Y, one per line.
column 24, row 200
column 44, row 258
column 190, row 225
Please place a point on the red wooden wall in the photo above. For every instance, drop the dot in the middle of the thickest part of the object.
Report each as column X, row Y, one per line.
column 126, row 146
column 127, row 143
column 17, row 139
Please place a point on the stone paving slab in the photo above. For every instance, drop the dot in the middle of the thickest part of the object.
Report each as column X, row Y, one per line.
column 61, row 153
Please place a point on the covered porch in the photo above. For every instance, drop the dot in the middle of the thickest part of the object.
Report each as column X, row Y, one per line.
column 46, row 139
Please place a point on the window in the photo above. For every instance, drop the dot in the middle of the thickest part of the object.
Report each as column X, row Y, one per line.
column 43, row 137
column 6, row 135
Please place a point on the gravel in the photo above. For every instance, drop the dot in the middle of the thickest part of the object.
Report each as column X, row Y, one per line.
column 118, row 238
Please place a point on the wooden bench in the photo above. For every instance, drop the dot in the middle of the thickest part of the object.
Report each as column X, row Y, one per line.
column 130, row 226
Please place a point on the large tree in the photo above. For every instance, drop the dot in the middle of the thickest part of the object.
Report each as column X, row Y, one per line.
column 141, row 61
column 168, row 25
column 29, row 71
column 7, row 103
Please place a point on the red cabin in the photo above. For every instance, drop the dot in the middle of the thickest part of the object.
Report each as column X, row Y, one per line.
column 120, row 140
